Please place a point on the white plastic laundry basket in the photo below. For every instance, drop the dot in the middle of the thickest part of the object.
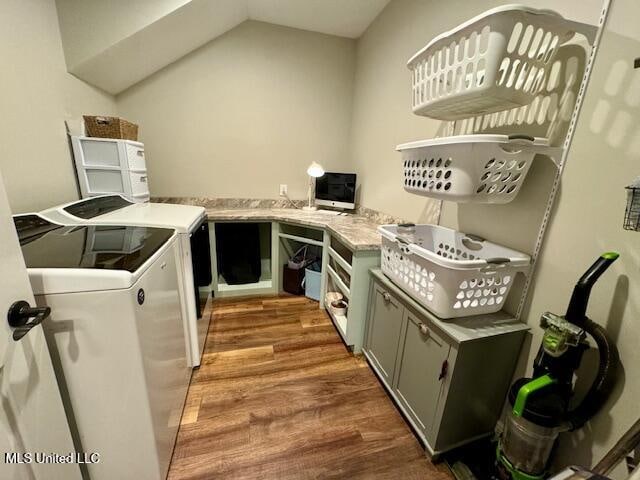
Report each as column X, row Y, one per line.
column 450, row 273
column 470, row 168
column 495, row 61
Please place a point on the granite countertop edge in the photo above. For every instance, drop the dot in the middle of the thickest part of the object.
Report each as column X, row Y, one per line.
column 355, row 231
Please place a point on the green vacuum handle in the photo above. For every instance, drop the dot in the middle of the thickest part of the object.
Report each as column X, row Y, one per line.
column 527, row 389
column 577, row 309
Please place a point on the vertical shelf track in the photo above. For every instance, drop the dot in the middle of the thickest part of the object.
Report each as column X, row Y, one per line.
column 565, row 153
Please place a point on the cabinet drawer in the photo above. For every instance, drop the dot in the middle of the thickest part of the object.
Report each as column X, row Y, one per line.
column 99, row 153
column 418, row 381
column 135, row 157
column 139, row 185
column 383, row 336
column 101, row 181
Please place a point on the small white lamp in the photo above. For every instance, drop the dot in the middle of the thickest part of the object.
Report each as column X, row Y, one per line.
column 315, row 170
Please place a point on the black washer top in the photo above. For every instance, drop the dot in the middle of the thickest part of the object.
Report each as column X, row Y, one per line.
column 30, row 226
column 45, row 245
column 94, row 207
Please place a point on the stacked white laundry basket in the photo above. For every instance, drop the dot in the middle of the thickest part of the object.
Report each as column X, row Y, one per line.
column 498, row 61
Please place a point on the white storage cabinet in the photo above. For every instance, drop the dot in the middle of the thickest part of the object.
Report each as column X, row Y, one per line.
column 106, row 165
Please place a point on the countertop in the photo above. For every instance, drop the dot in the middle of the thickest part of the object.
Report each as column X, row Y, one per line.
column 355, row 231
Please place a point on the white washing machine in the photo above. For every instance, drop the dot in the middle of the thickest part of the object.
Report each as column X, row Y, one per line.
column 193, row 231
column 116, row 338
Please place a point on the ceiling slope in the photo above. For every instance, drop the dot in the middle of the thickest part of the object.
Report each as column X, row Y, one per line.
column 345, row 18
column 184, row 25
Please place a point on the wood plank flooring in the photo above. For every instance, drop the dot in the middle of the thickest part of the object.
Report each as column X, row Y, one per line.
column 279, row 396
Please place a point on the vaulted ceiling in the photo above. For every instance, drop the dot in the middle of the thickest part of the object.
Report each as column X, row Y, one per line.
column 115, row 44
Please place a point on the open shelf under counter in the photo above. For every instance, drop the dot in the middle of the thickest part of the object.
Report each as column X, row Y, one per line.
column 349, row 247
column 341, row 322
column 337, row 281
column 266, row 284
column 347, row 272
column 340, row 261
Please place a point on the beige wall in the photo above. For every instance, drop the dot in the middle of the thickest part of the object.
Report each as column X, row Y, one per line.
column 37, row 96
column 245, row 113
column 590, row 207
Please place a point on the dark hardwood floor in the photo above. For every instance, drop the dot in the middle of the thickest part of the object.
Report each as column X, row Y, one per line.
column 279, row 396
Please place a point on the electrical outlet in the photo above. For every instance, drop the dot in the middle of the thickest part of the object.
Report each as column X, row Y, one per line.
column 283, row 190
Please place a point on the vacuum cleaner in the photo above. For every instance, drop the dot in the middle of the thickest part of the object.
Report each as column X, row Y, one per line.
column 540, row 406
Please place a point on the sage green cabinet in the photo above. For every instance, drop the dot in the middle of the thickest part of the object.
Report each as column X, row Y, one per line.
column 422, row 368
column 384, row 328
column 449, row 378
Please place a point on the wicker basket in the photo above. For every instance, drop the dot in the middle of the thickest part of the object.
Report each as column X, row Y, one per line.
column 110, row 127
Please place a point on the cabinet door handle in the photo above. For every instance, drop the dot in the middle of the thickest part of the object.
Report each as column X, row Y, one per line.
column 423, row 329
column 386, row 297
column 443, row 370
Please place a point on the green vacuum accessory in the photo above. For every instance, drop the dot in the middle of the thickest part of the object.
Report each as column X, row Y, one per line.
column 527, row 389
column 559, row 334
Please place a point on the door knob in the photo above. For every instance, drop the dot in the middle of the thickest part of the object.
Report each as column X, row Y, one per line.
column 20, row 313
column 386, row 297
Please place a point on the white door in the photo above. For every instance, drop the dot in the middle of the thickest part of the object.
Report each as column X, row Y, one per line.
column 32, row 418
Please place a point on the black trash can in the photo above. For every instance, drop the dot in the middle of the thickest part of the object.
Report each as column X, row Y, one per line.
column 238, row 252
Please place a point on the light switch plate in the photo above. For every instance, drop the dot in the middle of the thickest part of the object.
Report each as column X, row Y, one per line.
column 283, row 190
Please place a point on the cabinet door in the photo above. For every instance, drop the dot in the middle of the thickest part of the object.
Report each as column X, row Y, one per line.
column 383, row 331
column 418, row 385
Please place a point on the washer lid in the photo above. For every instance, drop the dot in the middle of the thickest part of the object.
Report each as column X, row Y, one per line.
column 124, row 248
